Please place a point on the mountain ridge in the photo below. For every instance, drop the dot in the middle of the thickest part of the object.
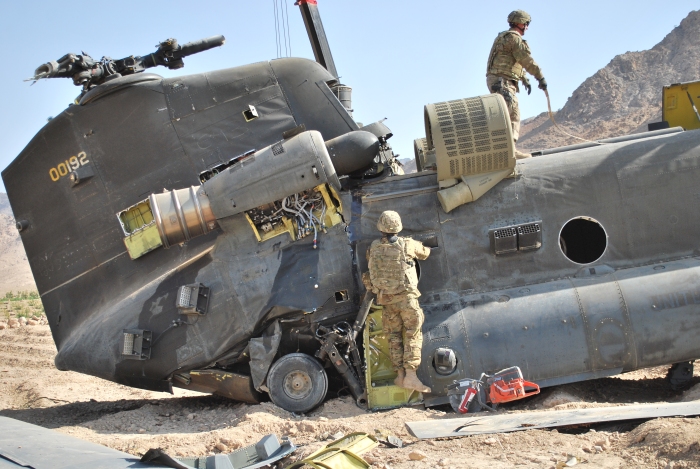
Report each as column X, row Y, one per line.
column 625, row 95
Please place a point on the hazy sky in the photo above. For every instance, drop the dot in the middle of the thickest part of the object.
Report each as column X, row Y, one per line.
column 396, row 55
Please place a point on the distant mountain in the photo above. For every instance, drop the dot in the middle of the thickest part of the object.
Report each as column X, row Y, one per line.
column 14, row 267
column 625, row 95
column 409, row 165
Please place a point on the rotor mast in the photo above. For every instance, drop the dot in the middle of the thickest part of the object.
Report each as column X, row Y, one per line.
column 317, row 36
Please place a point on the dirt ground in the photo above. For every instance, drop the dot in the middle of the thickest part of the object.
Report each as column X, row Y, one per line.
column 191, row 424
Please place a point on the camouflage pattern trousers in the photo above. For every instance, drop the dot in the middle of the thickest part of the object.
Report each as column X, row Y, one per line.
column 510, row 93
column 402, row 321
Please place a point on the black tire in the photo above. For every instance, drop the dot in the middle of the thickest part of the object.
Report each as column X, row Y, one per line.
column 297, row 382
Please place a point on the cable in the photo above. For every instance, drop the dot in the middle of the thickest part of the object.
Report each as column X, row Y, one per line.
column 277, row 34
column 551, row 116
column 284, row 28
column 288, row 33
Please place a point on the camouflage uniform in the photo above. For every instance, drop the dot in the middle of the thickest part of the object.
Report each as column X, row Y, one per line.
column 509, row 59
column 402, row 316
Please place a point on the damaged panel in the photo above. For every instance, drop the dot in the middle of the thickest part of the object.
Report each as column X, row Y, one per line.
column 547, row 419
column 220, row 133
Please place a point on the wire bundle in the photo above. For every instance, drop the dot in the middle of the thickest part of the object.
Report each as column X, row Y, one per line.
column 302, row 207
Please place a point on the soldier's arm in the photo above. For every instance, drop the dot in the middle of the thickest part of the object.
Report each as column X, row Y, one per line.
column 521, row 52
column 417, row 250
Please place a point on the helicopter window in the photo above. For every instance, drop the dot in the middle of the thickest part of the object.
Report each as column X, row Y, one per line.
column 583, row 240
column 341, row 296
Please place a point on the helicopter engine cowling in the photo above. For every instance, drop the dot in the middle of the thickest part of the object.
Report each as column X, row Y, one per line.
column 353, row 151
column 285, row 168
column 277, row 171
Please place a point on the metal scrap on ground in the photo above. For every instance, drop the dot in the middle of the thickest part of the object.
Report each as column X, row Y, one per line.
column 485, row 423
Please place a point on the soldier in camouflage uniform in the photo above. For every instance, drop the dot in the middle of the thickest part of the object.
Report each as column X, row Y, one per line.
column 392, row 276
column 509, row 59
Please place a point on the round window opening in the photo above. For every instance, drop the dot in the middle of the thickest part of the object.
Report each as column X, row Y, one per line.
column 583, row 240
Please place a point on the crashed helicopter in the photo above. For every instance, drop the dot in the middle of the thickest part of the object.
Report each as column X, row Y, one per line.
column 209, row 232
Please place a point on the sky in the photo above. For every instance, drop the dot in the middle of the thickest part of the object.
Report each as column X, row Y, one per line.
column 397, row 55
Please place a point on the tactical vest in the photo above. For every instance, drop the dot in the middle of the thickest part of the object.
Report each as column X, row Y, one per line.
column 502, row 63
column 390, row 269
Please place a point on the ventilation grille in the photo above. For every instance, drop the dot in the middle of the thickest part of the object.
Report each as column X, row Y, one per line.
column 528, row 229
column 529, row 236
column 504, row 240
column 470, row 136
column 185, row 295
column 523, row 237
column 505, row 233
column 128, row 348
column 277, row 149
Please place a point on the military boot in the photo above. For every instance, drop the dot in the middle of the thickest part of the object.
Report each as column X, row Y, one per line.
column 519, row 155
column 398, row 381
column 411, row 381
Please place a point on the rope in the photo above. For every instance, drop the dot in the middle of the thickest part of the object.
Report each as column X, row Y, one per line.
column 289, row 37
column 551, row 116
column 277, row 29
column 282, row 33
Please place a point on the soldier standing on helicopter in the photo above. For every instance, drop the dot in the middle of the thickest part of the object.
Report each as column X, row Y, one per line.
column 392, row 276
column 509, row 59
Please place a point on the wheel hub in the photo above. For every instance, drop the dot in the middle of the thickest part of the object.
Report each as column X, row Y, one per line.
column 298, row 385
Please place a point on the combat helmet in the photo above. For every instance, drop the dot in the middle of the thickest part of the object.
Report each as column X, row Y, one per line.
column 519, row 17
column 389, row 222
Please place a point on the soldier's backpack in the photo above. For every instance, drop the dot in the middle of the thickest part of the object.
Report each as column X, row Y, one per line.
column 390, row 269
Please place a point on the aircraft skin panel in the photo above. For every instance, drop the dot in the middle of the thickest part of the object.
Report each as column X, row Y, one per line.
column 302, row 81
column 591, row 314
column 666, row 304
column 219, row 133
column 634, row 318
column 51, row 449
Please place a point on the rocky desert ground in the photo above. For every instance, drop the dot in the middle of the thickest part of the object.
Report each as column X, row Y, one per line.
column 191, row 424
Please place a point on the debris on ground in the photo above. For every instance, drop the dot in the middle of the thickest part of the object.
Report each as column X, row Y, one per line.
column 32, row 390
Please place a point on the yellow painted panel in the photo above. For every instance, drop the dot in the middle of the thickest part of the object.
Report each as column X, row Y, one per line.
column 678, row 109
column 137, row 216
column 381, row 392
column 143, row 241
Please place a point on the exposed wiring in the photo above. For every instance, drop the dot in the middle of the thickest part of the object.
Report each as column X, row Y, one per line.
column 307, row 210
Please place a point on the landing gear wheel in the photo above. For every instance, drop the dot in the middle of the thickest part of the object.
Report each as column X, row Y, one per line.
column 297, row 382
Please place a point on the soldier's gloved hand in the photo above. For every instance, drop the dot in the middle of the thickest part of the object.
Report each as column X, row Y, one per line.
column 543, row 84
column 526, row 84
